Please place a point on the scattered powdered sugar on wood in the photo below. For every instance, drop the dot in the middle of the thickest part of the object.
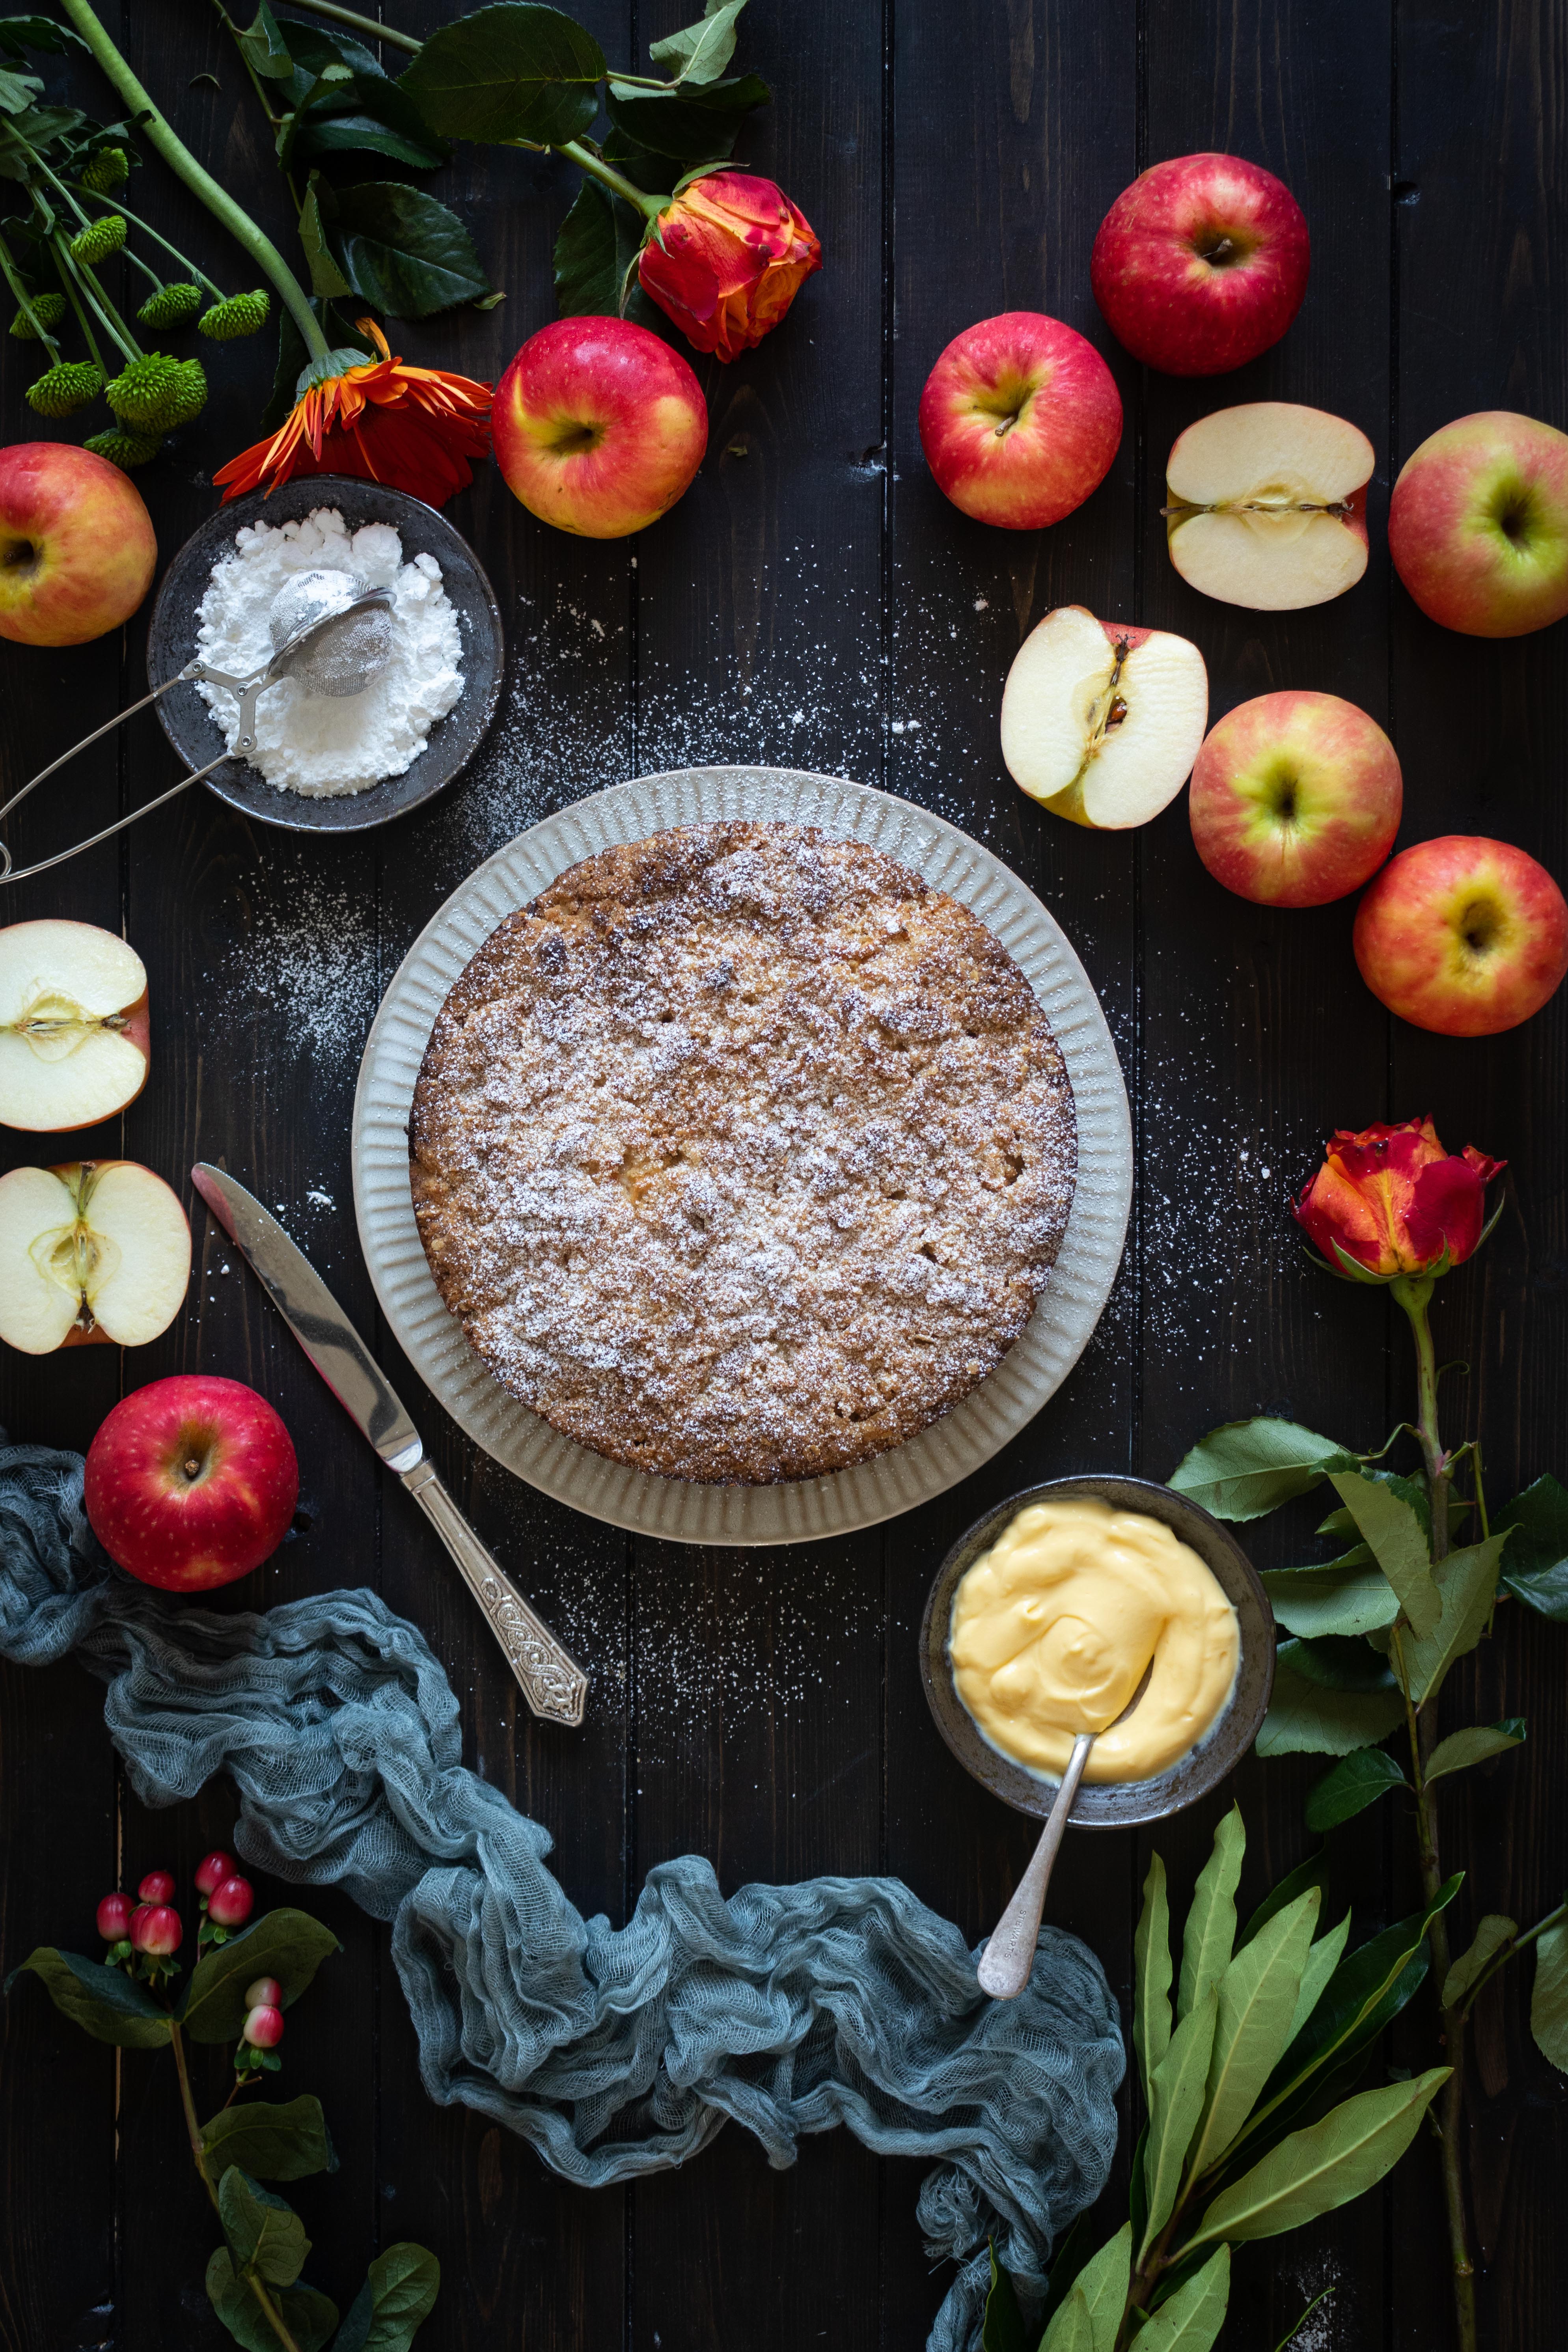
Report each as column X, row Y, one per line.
column 305, row 965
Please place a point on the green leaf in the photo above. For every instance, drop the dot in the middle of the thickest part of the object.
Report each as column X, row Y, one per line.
column 597, row 245
column 1102, row 2283
column 400, row 250
column 103, row 2001
column 1537, row 1557
column 1356, row 1782
column 1315, row 2170
column 310, row 2318
column 18, row 90
column 1321, row 1963
column 1315, row 1603
column 1549, row 2000
column 1468, row 1582
column 264, row 2233
column 1175, row 2102
column 264, row 48
column 1313, row 1872
column 1297, row 2324
column 1071, row 2330
column 1138, row 2188
column 1474, row 1746
column 690, row 125
column 288, row 1945
column 321, row 134
column 400, row 2292
column 1493, row 1933
column 274, row 2143
column 1336, row 1664
column 1245, row 1468
column 516, row 71
column 1152, row 1976
column 326, row 278
column 20, row 34
column 342, row 101
column 1194, row 2315
column 1209, row 1938
column 1258, row 1997
column 701, row 52
column 1389, row 1524
column 1305, row 1718
column 1004, row 2329
column 1411, row 1490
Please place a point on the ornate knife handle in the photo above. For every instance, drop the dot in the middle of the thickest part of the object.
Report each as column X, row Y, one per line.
column 550, row 1680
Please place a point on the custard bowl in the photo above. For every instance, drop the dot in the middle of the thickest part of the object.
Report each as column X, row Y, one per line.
column 1109, row 1805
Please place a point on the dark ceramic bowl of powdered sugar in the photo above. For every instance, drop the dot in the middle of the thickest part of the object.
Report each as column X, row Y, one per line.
column 323, row 761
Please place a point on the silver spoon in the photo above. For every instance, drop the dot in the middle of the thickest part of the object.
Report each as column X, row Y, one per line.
column 338, row 655
column 1005, row 1962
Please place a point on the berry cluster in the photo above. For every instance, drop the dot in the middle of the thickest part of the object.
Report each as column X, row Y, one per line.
column 143, row 1937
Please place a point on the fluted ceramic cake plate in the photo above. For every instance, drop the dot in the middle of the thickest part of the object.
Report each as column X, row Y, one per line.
column 675, row 1508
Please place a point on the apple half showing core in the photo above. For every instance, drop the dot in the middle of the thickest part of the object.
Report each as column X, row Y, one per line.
column 1266, row 504
column 99, row 1249
column 1463, row 936
column 1102, row 722
column 1295, row 799
column 73, row 1025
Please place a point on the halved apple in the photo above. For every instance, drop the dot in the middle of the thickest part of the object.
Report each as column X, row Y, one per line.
column 73, row 1025
column 99, row 1249
column 1102, row 722
column 1266, row 504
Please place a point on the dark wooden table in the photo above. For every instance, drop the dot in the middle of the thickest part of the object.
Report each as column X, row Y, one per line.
column 814, row 602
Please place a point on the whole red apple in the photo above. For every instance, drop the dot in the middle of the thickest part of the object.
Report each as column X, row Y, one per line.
column 1019, row 420
column 76, row 545
column 1201, row 264
column 1295, row 799
column 1478, row 525
column 191, row 1481
column 598, row 426
column 1463, row 936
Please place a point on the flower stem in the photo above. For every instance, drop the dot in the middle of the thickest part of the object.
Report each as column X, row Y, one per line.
column 109, row 318
column 73, row 298
column 192, row 2128
column 202, row 185
column 113, row 205
column 366, row 25
column 9, row 272
column 605, row 173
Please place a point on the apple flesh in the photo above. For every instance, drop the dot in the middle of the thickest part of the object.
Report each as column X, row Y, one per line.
column 191, row 1481
column 76, row 546
column 1266, row 504
column 1019, row 420
column 1464, row 936
column 598, row 426
column 1201, row 264
column 1478, row 525
column 1102, row 722
column 1295, row 799
column 98, row 1249
column 73, row 1025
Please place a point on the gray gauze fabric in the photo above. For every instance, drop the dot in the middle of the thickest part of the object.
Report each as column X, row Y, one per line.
column 612, row 2052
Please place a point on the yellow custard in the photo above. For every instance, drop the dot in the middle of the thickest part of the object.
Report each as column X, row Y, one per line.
column 1053, row 1627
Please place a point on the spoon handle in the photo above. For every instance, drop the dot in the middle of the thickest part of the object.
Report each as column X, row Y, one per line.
column 1005, row 1963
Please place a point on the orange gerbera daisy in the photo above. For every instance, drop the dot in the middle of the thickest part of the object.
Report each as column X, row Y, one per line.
column 413, row 428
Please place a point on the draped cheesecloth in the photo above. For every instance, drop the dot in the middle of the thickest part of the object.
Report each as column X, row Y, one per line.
column 613, row 2052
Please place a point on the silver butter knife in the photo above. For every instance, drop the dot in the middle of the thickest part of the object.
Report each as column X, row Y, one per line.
column 550, row 1680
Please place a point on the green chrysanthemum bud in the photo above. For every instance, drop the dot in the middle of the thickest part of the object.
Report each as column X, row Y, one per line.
column 156, row 394
column 98, row 239
column 50, row 309
column 124, row 449
column 169, row 307
column 242, row 314
column 66, row 388
column 109, row 169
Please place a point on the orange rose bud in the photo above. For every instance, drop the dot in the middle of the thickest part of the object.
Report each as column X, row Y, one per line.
column 726, row 258
column 1393, row 1202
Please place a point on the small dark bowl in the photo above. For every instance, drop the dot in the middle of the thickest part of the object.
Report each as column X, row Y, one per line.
column 189, row 724
column 1108, row 1805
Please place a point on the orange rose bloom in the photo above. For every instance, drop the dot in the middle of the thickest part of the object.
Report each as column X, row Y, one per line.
column 726, row 258
column 1392, row 1200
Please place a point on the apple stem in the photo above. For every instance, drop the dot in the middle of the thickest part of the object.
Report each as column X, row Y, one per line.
column 9, row 272
column 607, row 177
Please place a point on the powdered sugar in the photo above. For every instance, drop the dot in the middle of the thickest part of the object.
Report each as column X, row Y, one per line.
column 316, row 743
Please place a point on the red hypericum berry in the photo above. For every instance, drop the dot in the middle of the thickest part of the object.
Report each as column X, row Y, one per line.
column 213, row 1870
column 114, row 1919
column 263, row 2028
column 265, row 1993
column 158, row 1887
column 231, row 1903
column 155, row 1929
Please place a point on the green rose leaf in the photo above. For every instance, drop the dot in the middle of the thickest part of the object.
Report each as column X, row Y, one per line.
column 288, row 1945
column 264, row 48
column 516, row 71
column 399, row 249
column 700, row 53
column 1194, row 2315
column 1175, row 2102
column 1410, row 1490
column 343, row 101
column 1258, row 2000
column 1246, row 1468
column 1493, row 1933
column 1356, row 1782
column 399, row 2294
column 1334, row 1664
column 1468, row 1582
column 1390, row 1525
column 1315, row 2170
column 1152, row 1976
column 1549, row 2000
column 264, row 2233
column 689, row 125
column 326, row 278
column 1537, row 1557
column 1474, row 1746
column 595, row 252
column 1308, row 1718
column 309, row 2316
column 287, row 2142
column 1209, row 1938
column 1313, row 1603
column 105, row 2002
